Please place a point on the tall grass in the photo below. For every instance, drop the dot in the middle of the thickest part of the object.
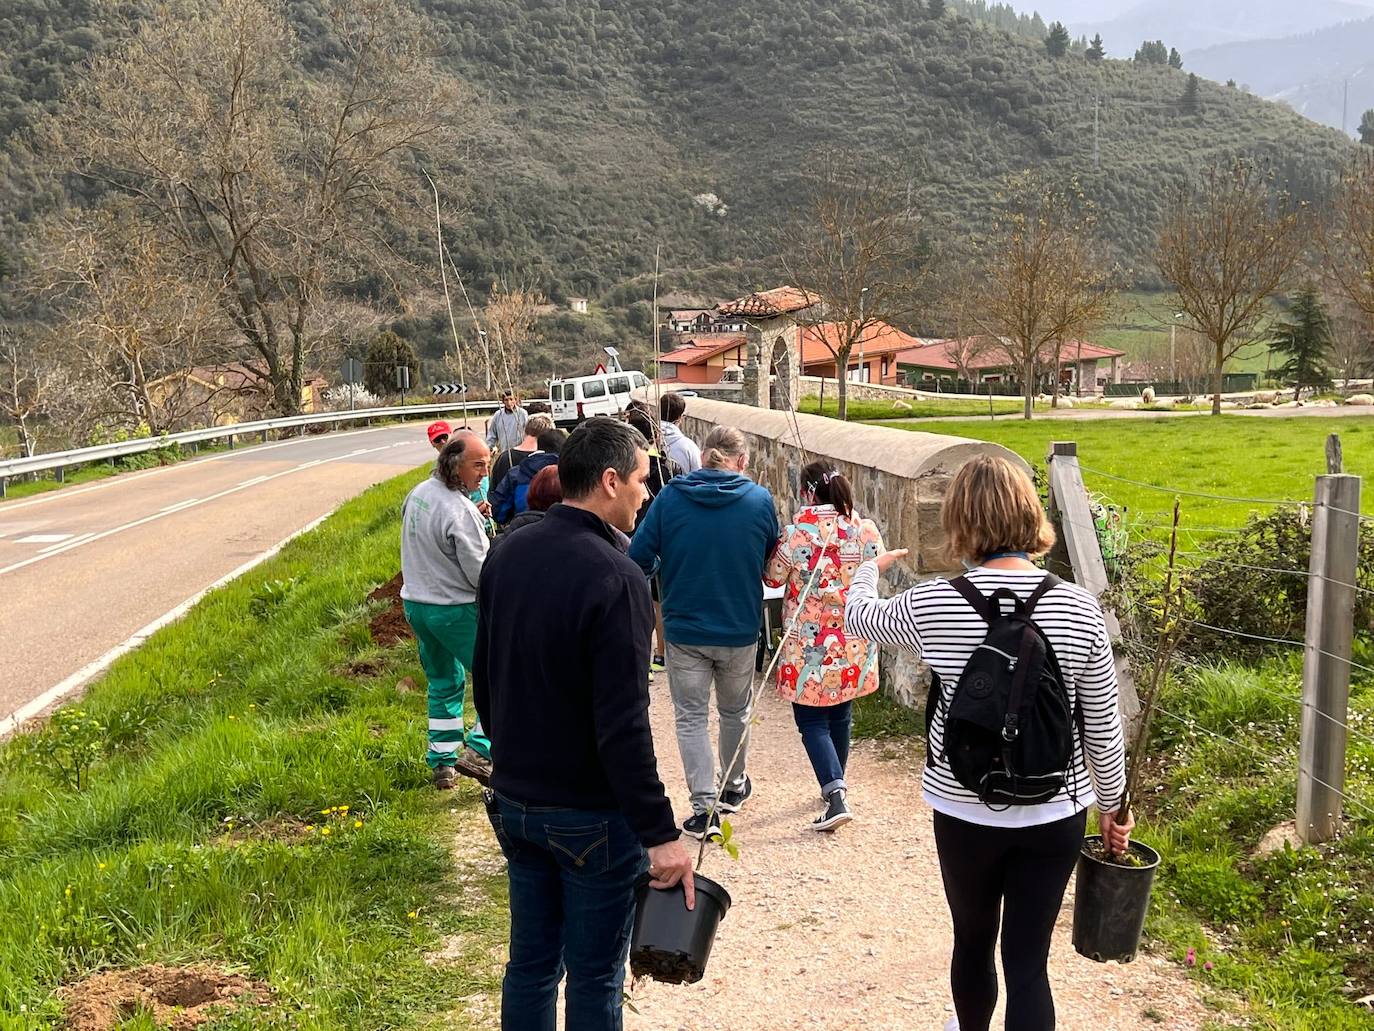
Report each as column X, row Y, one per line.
column 212, row 826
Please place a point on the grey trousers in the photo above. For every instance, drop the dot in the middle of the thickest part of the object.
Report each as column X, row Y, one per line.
column 691, row 669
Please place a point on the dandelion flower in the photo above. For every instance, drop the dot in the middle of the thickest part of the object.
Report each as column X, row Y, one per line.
column 357, row 824
column 412, row 915
column 324, row 831
column 100, row 866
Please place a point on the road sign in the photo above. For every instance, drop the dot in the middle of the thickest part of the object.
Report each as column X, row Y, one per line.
column 441, row 389
column 352, row 371
column 402, row 377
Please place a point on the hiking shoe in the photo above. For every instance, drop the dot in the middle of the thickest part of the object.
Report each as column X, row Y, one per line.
column 837, row 812
column 733, row 801
column 445, row 777
column 658, row 664
column 470, row 764
column 702, row 825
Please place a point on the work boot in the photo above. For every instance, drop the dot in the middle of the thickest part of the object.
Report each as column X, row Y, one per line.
column 470, row 764
column 444, row 777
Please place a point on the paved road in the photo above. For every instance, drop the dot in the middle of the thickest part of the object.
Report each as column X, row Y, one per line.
column 84, row 568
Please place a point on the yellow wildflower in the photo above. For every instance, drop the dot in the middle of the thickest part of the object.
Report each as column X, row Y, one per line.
column 324, row 831
column 357, row 824
column 100, row 866
column 412, row 915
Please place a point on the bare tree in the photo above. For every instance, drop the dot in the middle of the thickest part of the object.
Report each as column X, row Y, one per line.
column 1352, row 339
column 513, row 314
column 1346, row 235
column 854, row 242
column 1227, row 244
column 278, row 186
column 26, row 382
column 1038, row 284
column 1086, row 291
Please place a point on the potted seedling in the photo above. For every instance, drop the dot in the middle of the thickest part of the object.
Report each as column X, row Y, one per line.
column 1112, row 894
column 670, row 942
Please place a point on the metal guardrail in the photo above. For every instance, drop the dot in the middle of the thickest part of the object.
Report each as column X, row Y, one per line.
column 57, row 461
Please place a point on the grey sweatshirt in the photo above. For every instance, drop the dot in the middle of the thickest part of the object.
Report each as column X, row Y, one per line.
column 443, row 545
column 681, row 448
column 506, row 429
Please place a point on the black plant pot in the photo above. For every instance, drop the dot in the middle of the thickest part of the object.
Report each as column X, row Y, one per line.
column 1110, row 901
column 672, row 943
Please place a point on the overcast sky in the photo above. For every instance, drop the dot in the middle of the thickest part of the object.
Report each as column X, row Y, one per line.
column 1102, row 10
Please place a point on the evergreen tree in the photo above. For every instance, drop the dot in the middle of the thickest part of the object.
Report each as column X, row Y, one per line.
column 1057, row 42
column 1231, row 83
column 1096, row 50
column 386, row 352
column 1305, row 339
column 1367, row 128
column 1152, row 53
column 1175, row 58
column 935, row 8
column 1190, row 103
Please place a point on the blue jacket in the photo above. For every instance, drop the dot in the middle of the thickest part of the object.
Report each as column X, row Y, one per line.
column 708, row 535
column 508, row 499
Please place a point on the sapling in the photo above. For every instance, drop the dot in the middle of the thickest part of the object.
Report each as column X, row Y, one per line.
column 1171, row 629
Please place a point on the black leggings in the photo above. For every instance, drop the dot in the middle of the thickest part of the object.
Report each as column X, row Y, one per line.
column 1017, row 874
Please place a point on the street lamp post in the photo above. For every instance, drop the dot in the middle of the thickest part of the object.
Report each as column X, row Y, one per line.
column 486, row 354
column 1173, row 360
column 863, row 371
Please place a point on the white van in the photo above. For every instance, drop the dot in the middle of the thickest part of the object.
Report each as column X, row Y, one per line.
column 603, row 393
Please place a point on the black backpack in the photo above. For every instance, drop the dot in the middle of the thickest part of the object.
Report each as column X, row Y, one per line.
column 1009, row 726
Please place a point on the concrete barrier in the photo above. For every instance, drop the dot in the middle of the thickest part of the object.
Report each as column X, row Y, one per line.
column 899, row 480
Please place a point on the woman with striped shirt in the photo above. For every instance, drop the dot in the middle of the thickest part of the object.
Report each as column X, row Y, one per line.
column 1004, row 865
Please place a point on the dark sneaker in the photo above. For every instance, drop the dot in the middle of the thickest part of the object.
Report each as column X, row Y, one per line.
column 445, row 777
column 702, row 825
column 658, row 665
column 733, row 801
column 470, row 764
column 837, row 812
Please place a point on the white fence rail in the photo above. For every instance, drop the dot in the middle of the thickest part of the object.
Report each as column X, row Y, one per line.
column 58, row 461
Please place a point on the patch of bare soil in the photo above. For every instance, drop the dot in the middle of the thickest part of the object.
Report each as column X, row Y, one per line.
column 176, row 997
column 389, row 626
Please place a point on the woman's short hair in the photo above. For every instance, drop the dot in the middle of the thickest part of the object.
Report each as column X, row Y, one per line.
column 537, row 424
column 723, row 447
column 545, row 490
column 991, row 506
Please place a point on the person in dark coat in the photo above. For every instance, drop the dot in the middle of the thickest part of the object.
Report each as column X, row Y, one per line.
column 545, row 492
column 576, row 804
column 508, row 500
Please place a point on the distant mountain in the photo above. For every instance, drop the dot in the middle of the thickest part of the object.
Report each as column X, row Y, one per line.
column 1308, row 72
column 1194, row 24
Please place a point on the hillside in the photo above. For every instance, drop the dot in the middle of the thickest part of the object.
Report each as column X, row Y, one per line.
column 610, row 117
column 1187, row 23
column 1307, row 71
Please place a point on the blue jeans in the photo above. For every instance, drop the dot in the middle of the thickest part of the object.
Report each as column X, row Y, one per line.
column 572, row 874
column 825, row 733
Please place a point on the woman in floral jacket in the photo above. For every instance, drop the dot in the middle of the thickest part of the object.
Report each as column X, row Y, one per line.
column 821, row 669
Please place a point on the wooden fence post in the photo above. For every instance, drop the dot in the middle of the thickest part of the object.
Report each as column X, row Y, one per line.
column 1326, row 661
column 1077, row 556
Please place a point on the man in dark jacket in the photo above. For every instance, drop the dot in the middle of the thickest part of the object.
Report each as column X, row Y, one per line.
column 709, row 535
column 576, row 799
column 508, row 499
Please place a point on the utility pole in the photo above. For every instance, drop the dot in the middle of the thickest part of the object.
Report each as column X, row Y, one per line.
column 863, row 377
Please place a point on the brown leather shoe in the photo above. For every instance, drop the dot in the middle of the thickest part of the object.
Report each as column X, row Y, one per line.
column 470, row 764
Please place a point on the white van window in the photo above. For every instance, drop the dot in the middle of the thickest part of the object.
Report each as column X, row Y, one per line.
column 594, row 388
column 640, row 380
column 620, row 384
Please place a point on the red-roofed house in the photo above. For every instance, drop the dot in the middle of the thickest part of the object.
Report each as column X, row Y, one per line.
column 983, row 360
column 769, row 304
column 873, row 359
column 704, row 359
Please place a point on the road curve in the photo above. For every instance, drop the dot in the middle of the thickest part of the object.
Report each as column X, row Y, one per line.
column 83, row 569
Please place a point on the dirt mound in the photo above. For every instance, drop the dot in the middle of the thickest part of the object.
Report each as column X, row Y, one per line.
column 177, row 997
column 389, row 626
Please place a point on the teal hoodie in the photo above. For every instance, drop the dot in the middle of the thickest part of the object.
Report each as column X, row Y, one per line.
column 708, row 536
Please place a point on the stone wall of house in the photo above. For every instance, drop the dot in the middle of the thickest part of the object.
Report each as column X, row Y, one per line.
column 811, row 387
column 899, row 481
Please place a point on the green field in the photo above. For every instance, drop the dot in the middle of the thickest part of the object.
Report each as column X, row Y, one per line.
column 209, row 825
column 1139, row 325
column 1232, row 455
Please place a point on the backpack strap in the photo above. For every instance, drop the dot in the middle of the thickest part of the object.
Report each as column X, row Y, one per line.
column 1049, row 583
column 976, row 598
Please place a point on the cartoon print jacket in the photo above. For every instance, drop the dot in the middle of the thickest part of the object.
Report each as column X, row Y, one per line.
column 820, row 664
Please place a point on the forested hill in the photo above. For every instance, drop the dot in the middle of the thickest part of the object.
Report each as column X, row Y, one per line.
column 611, row 116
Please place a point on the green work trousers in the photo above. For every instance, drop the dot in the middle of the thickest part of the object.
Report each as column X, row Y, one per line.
column 447, row 635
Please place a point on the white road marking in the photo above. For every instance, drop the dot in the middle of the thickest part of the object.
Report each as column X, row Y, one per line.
column 70, row 545
column 183, row 503
column 66, row 539
column 191, row 463
column 60, row 691
column 253, row 481
column 44, row 538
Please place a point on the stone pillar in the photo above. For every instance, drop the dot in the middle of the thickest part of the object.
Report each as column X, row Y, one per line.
column 755, row 374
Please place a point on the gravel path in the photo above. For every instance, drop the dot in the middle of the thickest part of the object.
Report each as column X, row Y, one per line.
column 850, row 930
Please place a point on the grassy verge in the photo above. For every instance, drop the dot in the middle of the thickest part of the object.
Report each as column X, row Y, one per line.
column 867, row 411
column 91, row 472
column 210, row 825
column 1235, row 456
